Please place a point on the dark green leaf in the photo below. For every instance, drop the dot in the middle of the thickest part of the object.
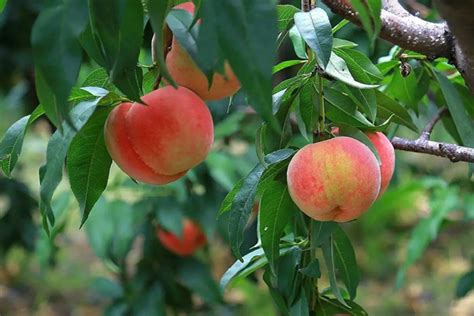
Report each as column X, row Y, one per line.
column 249, row 27
column 342, row 43
column 56, row 152
column 329, row 257
column 196, row 276
column 320, row 232
column 307, row 111
column 88, row 162
column 464, row 124
column 276, row 211
column 315, row 28
column 237, row 216
column 11, row 144
column 465, row 284
column 301, row 306
column 312, row 270
column 118, row 28
column 57, row 53
column 328, row 306
column 403, row 89
column 345, row 261
column 157, row 11
column 388, row 107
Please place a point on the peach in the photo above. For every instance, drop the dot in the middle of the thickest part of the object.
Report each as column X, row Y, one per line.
column 159, row 142
column 187, row 74
column 192, row 239
column 334, row 180
column 387, row 158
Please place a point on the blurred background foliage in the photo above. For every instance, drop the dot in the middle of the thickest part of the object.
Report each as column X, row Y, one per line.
column 115, row 263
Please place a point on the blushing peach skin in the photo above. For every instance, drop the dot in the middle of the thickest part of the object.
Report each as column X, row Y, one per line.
column 159, row 142
column 334, row 180
column 192, row 239
column 187, row 74
column 387, row 158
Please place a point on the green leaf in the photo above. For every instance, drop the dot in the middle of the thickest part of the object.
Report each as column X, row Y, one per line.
column 236, row 218
column 328, row 306
column 229, row 198
column 238, row 266
column 301, row 306
column 276, row 211
column 111, row 228
column 464, row 124
column 11, row 144
column 118, row 28
column 88, row 162
column 285, row 13
column 345, row 261
column 329, row 257
column 298, row 43
column 151, row 302
column 3, row 3
column 360, row 136
column 286, row 64
column 312, row 270
column 387, row 107
column 342, row 43
column 342, row 109
column 249, row 27
column 149, row 80
column 180, row 21
column 57, row 55
column 196, row 276
column 315, row 28
column 369, row 15
column 359, row 63
column 307, row 111
column 157, row 11
column 51, row 173
column 337, row 68
column 97, row 78
column 465, row 284
column 320, row 232
column 403, row 89
column 442, row 201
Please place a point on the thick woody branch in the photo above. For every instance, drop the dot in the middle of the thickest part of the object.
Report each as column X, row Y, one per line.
column 452, row 152
column 403, row 29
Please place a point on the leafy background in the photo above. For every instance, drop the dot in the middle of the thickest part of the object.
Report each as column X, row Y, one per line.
column 429, row 204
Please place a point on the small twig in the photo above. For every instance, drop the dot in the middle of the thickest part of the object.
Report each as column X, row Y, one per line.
column 425, row 135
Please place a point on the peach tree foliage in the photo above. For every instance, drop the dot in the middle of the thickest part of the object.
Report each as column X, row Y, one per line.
column 333, row 84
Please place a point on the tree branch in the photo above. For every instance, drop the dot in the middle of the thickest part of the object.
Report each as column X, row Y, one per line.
column 402, row 28
column 453, row 152
column 425, row 135
column 424, row 145
column 406, row 31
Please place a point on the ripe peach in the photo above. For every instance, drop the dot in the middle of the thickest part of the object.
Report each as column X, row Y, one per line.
column 187, row 74
column 159, row 142
column 192, row 239
column 387, row 158
column 334, row 180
